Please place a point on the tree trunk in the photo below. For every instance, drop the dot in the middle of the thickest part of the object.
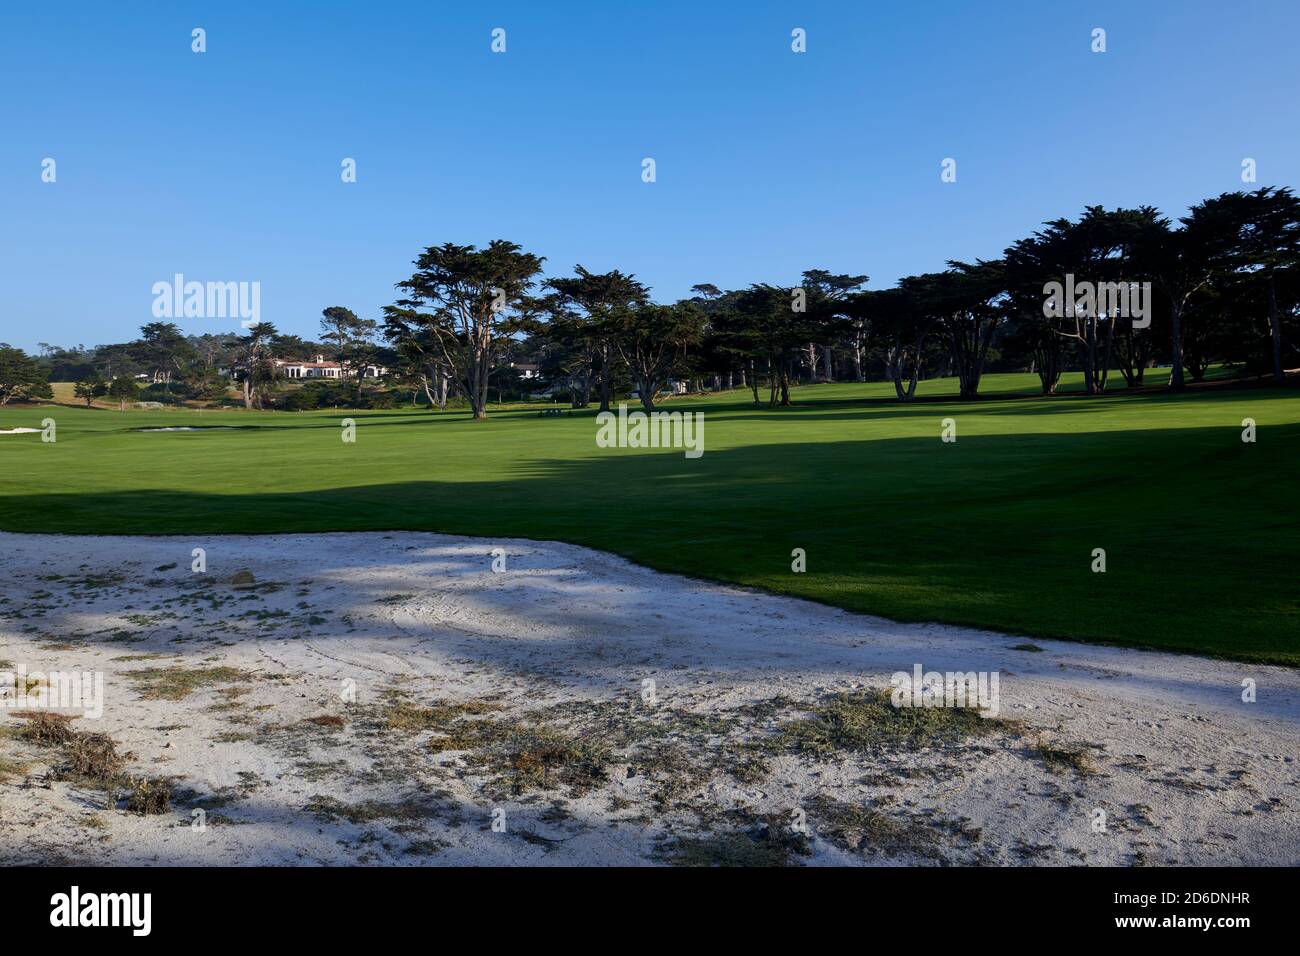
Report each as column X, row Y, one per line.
column 477, row 379
column 646, row 392
column 1176, row 346
column 605, row 361
column 1047, row 362
column 1275, row 328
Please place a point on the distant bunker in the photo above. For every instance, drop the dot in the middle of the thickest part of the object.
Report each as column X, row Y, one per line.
column 197, row 428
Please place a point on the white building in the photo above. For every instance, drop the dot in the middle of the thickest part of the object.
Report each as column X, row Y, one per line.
column 526, row 370
column 298, row 369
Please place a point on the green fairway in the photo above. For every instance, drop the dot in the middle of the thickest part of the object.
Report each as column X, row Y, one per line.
column 995, row 530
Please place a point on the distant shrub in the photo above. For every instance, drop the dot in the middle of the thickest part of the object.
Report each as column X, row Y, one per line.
column 331, row 394
column 172, row 394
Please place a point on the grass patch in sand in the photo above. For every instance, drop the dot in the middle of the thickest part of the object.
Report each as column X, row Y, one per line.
column 413, row 809
column 12, row 767
column 526, row 756
column 93, row 760
column 46, row 729
column 150, row 796
column 540, row 758
column 868, row 829
column 768, row 842
column 1062, row 758
column 864, row 722
column 177, row 683
column 403, row 715
column 573, row 745
column 330, row 721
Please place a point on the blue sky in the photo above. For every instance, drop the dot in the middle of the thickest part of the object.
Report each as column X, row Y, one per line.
column 225, row 165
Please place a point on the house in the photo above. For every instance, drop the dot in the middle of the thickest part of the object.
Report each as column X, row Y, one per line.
column 299, row 369
column 671, row 387
column 526, row 370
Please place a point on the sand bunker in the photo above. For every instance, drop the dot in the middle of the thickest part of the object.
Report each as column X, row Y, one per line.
column 387, row 698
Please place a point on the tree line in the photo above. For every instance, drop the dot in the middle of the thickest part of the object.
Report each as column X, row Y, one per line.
column 1223, row 284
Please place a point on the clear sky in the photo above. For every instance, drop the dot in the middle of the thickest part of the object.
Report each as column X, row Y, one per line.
column 225, row 165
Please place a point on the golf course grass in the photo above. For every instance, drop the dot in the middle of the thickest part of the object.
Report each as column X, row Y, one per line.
column 995, row 530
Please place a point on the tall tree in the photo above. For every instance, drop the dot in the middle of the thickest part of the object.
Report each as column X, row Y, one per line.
column 567, row 350
column 901, row 323
column 827, row 296
column 163, row 351
column 475, row 296
column 1258, row 236
column 652, row 339
column 1182, row 262
column 1030, row 332
column 257, row 363
column 352, row 339
column 1104, row 247
column 600, row 299
column 967, row 304
column 419, row 361
column 771, row 324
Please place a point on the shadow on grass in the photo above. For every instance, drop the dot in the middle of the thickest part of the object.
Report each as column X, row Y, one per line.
column 997, row 531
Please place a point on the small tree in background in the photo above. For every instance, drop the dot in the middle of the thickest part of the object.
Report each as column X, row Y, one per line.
column 352, row 337
column 123, row 389
column 89, row 389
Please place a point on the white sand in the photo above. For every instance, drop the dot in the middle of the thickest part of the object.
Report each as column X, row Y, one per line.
column 1184, row 770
